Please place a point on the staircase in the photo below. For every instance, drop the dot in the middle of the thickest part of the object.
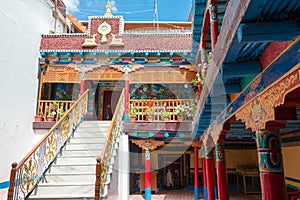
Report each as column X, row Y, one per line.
column 72, row 176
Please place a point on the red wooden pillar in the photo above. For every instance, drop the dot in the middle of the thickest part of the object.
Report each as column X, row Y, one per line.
column 196, row 174
column 270, row 165
column 147, row 175
column 221, row 170
column 204, row 174
column 209, row 168
column 82, row 86
column 213, row 24
column 82, row 81
column 126, row 99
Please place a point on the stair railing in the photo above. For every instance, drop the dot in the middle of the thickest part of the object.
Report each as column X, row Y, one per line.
column 25, row 176
column 102, row 166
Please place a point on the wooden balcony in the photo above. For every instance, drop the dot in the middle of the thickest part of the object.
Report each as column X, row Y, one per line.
column 170, row 110
column 57, row 108
column 180, row 111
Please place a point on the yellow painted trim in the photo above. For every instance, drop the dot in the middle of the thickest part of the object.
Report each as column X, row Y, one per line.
column 292, row 183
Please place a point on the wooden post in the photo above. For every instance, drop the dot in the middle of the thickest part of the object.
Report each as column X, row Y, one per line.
column 204, row 177
column 196, row 174
column 12, row 179
column 213, row 24
column 270, row 165
column 209, row 168
column 126, row 99
column 82, row 87
column 147, row 175
column 221, row 170
column 98, row 179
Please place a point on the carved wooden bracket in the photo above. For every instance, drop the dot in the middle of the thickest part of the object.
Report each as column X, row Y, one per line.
column 148, row 144
column 260, row 110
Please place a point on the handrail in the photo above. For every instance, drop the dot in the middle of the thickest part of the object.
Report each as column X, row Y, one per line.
column 25, row 176
column 106, row 154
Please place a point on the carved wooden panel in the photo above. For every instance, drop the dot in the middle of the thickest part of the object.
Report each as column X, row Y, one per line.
column 59, row 74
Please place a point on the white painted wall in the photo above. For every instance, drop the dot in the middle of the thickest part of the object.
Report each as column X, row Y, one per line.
column 22, row 23
column 123, row 168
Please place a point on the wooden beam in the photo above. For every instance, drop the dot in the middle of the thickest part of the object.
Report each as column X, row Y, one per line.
column 268, row 32
column 242, row 69
column 234, row 51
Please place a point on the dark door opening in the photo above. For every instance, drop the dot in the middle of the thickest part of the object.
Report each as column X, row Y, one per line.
column 110, row 101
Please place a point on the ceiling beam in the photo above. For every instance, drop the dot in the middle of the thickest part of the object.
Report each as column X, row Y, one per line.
column 242, row 69
column 267, row 32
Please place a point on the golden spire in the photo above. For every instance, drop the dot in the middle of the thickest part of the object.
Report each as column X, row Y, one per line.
column 108, row 12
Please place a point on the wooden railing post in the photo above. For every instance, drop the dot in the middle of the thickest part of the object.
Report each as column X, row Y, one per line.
column 12, row 179
column 98, row 179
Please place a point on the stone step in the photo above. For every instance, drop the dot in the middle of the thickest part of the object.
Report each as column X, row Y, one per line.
column 60, row 188
column 71, row 177
column 78, row 160
column 87, row 140
column 91, row 124
column 84, row 147
column 63, row 168
column 90, row 134
column 76, row 153
column 92, row 129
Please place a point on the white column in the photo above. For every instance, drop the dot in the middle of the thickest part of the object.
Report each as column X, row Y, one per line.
column 123, row 168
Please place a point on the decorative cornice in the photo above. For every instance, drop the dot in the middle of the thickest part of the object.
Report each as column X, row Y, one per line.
column 66, row 35
column 115, row 51
column 156, row 34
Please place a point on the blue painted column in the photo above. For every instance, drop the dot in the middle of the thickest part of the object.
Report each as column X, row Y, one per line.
column 147, row 175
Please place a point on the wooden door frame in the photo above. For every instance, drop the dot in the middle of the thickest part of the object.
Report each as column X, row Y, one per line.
column 101, row 99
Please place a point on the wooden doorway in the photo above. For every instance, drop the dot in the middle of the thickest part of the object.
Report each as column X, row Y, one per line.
column 110, row 101
column 174, row 166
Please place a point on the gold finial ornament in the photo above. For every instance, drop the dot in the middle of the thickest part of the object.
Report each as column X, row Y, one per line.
column 108, row 11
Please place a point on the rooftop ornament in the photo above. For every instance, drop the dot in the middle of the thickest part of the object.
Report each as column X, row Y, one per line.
column 90, row 42
column 108, row 11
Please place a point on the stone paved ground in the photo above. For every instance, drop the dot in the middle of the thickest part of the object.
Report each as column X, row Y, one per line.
column 189, row 195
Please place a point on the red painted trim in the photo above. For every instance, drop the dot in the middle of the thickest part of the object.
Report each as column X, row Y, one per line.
column 205, row 29
column 196, row 168
column 204, row 172
column 210, row 178
column 273, row 186
column 82, row 86
column 222, row 180
column 147, row 174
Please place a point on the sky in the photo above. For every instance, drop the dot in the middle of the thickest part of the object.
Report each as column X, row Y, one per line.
column 131, row 10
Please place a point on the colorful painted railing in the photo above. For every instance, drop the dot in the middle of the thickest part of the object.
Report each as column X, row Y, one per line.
column 30, row 171
column 102, row 166
column 53, row 107
column 162, row 110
